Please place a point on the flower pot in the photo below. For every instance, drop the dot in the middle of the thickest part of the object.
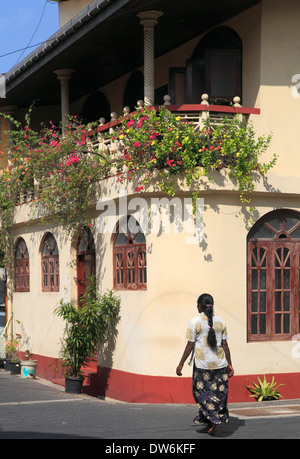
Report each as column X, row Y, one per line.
column 15, row 368
column 73, row 385
column 6, row 364
column 28, row 369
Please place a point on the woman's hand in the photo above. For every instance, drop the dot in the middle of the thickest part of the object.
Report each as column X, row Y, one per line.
column 188, row 349
column 179, row 370
column 230, row 371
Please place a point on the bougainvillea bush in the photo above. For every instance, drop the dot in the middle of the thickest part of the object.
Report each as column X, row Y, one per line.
column 57, row 169
column 161, row 140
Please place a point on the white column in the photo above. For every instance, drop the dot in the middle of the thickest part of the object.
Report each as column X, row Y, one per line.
column 149, row 19
column 64, row 75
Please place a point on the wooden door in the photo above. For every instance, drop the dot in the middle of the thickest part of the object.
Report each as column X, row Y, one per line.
column 86, row 263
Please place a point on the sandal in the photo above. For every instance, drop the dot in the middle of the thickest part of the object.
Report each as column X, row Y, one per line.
column 210, row 429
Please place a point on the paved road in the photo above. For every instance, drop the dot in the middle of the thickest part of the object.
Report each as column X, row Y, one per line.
column 37, row 409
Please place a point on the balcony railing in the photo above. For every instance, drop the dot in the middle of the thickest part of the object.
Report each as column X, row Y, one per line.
column 193, row 113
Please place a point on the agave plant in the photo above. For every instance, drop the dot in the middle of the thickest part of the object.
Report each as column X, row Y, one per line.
column 265, row 390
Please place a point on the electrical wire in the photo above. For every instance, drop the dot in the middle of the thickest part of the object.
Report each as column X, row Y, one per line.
column 36, row 29
column 24, row 49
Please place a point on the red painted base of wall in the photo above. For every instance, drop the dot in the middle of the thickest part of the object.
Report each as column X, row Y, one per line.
column 134, row 388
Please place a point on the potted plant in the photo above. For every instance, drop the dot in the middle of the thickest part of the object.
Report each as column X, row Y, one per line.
column 85, row 327
column 12, row 361
column 265, row 390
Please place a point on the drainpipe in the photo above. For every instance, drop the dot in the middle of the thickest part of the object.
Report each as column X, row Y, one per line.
column 64, row 75
column 148, row 19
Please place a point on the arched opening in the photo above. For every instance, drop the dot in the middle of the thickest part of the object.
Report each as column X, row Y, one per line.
column 134, row 90
column 50, row 264
column 95, row 107
column 215, row 67
column 273, row 268
column 129, row 256
column 86, row 263
column 22, row 277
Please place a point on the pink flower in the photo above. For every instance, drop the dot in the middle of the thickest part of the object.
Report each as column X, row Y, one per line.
column 139, row 188
column 137, row 144
column 72, row 159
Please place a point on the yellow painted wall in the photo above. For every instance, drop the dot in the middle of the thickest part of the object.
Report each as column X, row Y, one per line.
column 69, row 9
column 280, row 47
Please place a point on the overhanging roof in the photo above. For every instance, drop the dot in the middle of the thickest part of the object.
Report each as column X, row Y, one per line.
column 105, row 41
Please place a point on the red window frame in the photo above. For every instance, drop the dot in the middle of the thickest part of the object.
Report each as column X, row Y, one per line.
column 22, row 275
column 273, row 278
column 50, row 264
column 129, row 259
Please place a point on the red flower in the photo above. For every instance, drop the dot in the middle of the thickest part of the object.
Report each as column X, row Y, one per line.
column 72, row 159
column 130, row 123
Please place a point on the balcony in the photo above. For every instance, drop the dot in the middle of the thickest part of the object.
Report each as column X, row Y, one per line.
column 99, row 141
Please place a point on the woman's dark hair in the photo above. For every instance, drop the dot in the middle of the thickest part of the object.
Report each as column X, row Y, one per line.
column 206, row 301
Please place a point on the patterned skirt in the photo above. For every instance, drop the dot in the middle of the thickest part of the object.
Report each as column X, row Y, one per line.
column 210, row 390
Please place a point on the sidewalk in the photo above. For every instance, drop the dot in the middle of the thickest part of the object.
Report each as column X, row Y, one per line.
column 41, row 409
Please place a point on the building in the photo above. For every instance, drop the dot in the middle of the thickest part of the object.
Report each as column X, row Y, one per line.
column 110, row 54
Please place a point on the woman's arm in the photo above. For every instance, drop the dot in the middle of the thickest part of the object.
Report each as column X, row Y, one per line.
column 188, row 349
column 228, row 357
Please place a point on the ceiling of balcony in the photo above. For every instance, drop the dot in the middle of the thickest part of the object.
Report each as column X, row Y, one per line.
column 109, row 44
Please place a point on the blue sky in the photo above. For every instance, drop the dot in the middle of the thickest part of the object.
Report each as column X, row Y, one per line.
column 23, row 23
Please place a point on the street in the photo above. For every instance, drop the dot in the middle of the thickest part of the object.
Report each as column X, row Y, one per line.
column 37, row 409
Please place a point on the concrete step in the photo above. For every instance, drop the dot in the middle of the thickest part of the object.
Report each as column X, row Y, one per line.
column 89, row 383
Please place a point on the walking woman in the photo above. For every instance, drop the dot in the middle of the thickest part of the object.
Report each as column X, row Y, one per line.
column 207, row 339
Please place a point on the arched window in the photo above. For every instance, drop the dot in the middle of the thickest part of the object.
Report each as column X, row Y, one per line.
column 95, row 107
column 129, row 257
column 273, row 277
column 215, row 67
column 50, row 264
column 21, row 267
column 85, row 261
